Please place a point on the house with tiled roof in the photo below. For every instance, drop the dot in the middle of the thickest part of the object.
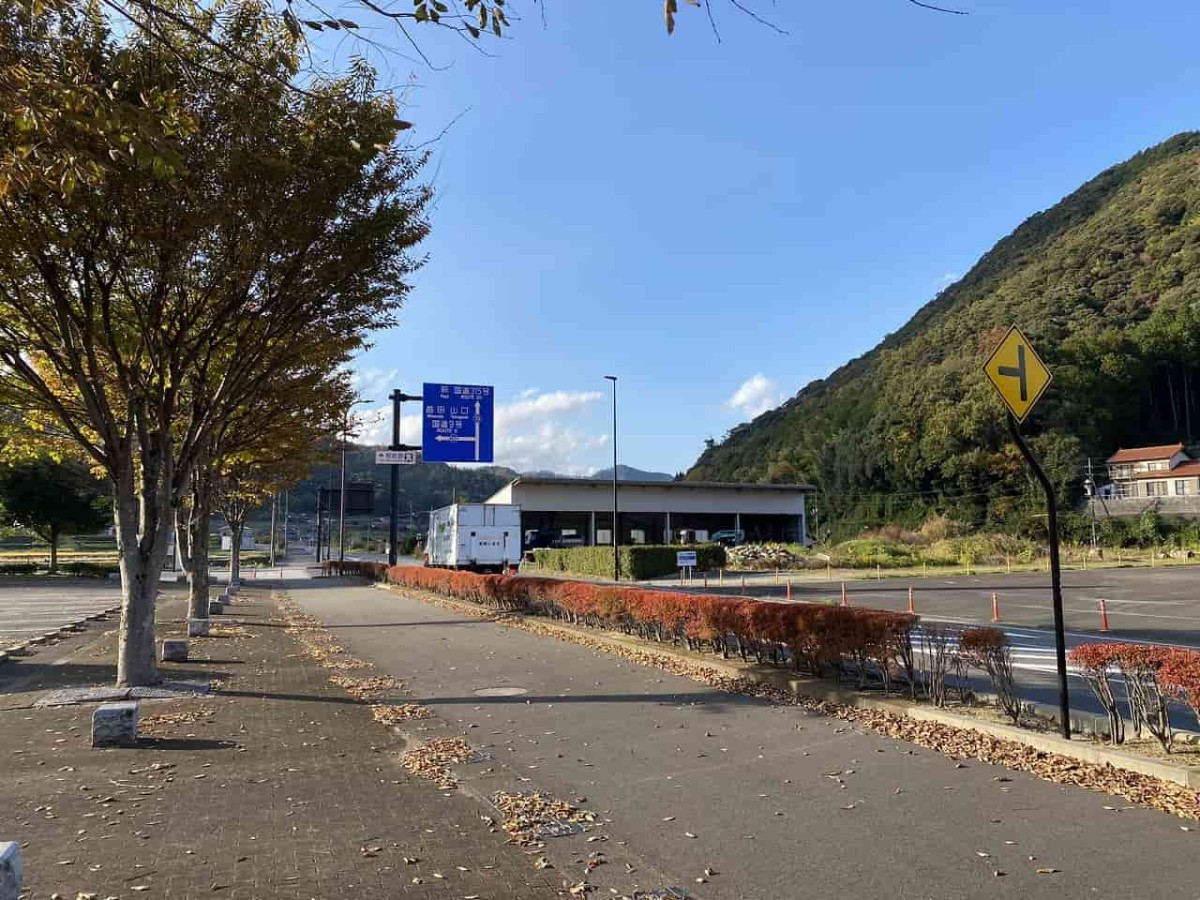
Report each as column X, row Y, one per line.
column 1160, row 471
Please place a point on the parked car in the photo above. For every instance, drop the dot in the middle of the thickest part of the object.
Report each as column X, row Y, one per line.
column 730, row 537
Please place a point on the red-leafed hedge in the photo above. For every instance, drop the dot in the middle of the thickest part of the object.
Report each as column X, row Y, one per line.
column 814, row 638
column 1180, row 677
column 1153, row 676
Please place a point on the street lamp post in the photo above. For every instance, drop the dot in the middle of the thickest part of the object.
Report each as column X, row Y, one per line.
column 616, row 551
column 342, row 497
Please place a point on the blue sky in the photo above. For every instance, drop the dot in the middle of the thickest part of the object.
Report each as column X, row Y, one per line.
column 720, row 223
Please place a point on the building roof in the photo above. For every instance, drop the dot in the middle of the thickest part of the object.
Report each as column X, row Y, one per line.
column 1146, row 454
column 1189, row 469
column 534, row 481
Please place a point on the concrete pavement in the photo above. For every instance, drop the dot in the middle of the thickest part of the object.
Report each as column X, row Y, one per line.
column 777, row 802
column 277, row 785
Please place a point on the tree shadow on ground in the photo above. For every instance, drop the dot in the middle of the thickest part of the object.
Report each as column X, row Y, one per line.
column 30, row 675
column 165, row 743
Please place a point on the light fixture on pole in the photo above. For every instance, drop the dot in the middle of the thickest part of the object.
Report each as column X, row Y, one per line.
column 616, row 553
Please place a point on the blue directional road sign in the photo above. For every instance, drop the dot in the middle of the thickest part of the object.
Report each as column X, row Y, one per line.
column 457, row 423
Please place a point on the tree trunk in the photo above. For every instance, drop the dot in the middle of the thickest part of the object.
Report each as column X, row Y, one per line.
column 142, row 522
column 192, row 533
column 235, row 553
column 201, row 526
column 53, row 551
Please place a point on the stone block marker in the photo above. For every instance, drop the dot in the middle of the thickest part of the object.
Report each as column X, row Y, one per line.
column 197, row 628
column 215, row 607
column 114, row 723
column 10, row 870
column 174, row 650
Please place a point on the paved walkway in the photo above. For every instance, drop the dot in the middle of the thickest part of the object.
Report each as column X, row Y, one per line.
column 771, row 801
column 277, row 786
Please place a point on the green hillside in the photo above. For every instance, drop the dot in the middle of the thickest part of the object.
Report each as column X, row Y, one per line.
column 1106, row 284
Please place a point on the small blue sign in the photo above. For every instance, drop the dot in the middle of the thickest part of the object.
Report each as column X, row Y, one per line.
column 457, row 423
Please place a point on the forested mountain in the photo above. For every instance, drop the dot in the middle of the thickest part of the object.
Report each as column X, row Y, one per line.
column 1106, row 284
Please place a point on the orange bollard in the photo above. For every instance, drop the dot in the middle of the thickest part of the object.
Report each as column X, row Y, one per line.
column 1103, row 616
column 995, row 607
column 845, row 602
column 789, row 590
column 912, row 610
column 743, row 584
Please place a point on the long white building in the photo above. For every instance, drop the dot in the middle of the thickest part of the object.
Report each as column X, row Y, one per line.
column 654, row 512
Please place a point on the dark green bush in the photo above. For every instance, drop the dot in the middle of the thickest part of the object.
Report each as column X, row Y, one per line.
column 21, row 568
column 638, row 561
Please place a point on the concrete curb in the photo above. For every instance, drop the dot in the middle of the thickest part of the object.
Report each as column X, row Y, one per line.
column 1188, row 776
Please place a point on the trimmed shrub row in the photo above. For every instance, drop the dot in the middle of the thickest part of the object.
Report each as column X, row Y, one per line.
column 638, row 561
column 1153, row 677
column 864, row 643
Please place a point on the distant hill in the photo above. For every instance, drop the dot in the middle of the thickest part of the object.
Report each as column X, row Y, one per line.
column 424, row 486
column 629, row 473
column 1106, row 284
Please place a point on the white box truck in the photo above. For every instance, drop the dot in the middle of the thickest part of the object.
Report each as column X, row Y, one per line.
column 477, row 536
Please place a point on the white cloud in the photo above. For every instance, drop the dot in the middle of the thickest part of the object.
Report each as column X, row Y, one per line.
column 531, row 405
column 532, row 431
column 548, row 446
column 947, row 279
column 373, row 382
column 755, row 396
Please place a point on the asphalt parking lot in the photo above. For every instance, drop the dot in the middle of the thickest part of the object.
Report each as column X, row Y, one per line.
column 31, row 607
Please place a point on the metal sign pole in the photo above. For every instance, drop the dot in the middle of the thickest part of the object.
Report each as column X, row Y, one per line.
column 394, row 492
column 397, row 397
column 1060, row 641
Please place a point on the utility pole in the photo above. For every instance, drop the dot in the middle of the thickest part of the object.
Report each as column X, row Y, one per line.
column 615, row 529
column 285, row 524
column 1089, row 487
column 320, row 510
column 274, row 511
column 397, row 397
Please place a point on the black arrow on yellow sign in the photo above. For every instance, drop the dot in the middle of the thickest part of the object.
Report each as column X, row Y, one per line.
column 1018, row 371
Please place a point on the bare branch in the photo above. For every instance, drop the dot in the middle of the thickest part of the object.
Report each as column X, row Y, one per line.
column 941, row 9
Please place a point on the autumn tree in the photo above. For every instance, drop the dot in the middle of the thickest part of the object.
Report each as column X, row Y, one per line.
column 258, row 229
column 282, row 432
column 52, row 498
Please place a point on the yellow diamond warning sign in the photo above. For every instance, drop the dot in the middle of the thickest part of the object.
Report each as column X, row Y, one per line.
column 1018, row 373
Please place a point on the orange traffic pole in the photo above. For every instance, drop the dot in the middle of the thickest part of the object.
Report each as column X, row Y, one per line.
column 789, row 590
column 995, row 607
column 912, row 610
column 845, row 602
column 1103, row 616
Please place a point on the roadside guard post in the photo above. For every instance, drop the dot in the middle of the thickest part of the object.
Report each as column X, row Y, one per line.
column 1020, row 377
column 685, row 560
